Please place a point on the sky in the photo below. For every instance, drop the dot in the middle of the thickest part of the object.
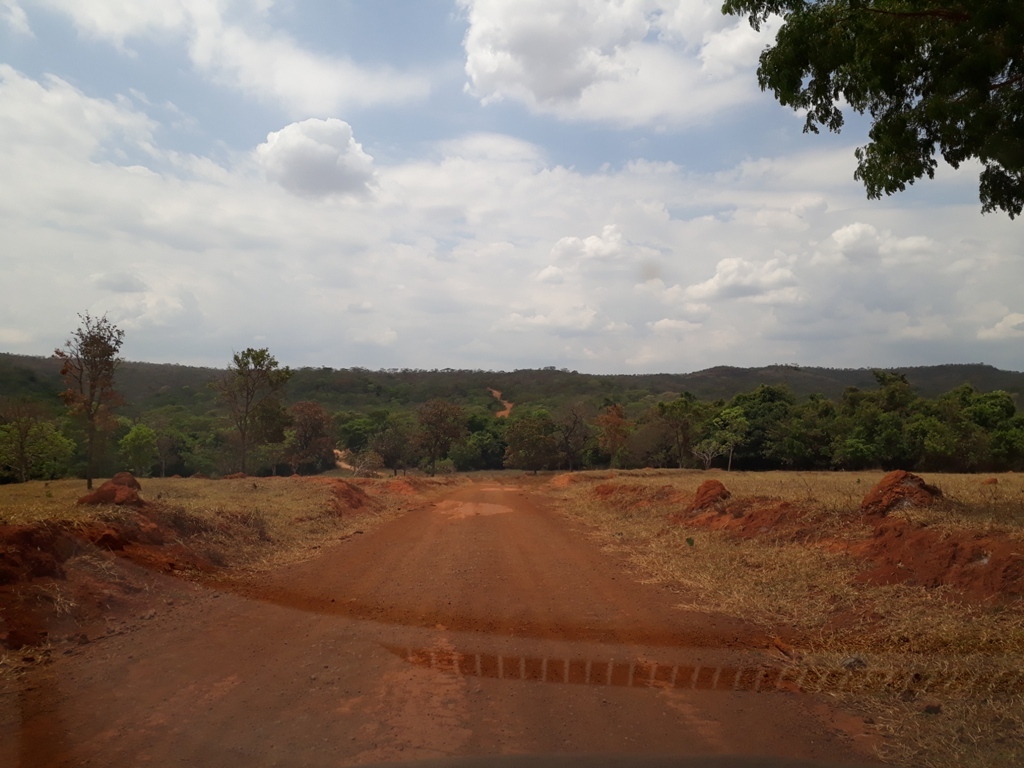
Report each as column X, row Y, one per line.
column 598, row 185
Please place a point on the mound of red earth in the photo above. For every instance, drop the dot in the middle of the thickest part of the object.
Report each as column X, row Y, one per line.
column 234, row 476
column 980, row 566
column 347, row 496
column 635, row 495
column 42, row 556
column 898, row 490
column 122, row 489
column 711, row 494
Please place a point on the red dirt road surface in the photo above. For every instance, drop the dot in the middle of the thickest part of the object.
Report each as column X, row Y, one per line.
column 483, row 624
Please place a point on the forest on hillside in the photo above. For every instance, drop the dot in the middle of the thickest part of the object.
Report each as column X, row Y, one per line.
column 170, row 419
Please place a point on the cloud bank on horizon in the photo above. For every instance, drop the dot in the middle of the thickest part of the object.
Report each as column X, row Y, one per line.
column 472, row 184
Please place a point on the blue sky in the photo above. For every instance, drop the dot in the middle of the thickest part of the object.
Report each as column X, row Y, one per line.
column 475, row 184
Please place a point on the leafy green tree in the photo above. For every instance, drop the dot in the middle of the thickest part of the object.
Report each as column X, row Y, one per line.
column 139, row 449
column 941, row 75
column 440, row 424
column 308, row 439
column 482, row 449
column 730, row 429
column 682, row 417
column 709, row 449
column 395, row 443
column 19, row 418
column 804, row 441
column 355, row 430
column 89, row 360
column 250, row 390
column 30, row 446
column 1007, row 445
column 766, row 409
column 532, row 442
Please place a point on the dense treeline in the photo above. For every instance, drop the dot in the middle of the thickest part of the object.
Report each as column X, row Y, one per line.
column 258, row 418
column 146, row 386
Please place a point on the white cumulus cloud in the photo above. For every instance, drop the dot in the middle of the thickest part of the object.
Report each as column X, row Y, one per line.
column 607, row 245
column 630, row 62
column 737, row 278
column 1010, row 327
column 316, row 158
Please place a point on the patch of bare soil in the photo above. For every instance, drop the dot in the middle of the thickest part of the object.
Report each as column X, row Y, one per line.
column 506, row 406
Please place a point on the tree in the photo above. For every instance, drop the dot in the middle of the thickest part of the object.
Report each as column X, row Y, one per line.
column 394, row 444
column 309, row 439
column 89, row 360
column 682, row 417
column 532, row 442
column 935, row 74
column 730, row 429
column 22, row 418
column 709, row 449
column 139, row 449
column 441, row 424
column 31, row 446
column 613, row 430
column 572, row 433
column 250, row 388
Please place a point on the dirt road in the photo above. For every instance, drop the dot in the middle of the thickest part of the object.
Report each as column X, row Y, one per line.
column 483, row 624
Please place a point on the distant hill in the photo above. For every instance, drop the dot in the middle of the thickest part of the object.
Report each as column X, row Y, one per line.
column 151, row 385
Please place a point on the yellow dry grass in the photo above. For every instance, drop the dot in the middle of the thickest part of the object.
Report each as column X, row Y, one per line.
column 916, row 645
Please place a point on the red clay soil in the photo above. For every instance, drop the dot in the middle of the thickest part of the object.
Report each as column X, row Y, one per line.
column 711, row 494
column 234, row 476
column 980, row 566
column 34, row 560
column 347, row 496
column 122, row 489
column 636, row 496
column 505, row 404
column 435, row 635
column 898, row 490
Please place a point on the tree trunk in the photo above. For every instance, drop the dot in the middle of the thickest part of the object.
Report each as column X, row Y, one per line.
column 729, row 468
column 90, row 451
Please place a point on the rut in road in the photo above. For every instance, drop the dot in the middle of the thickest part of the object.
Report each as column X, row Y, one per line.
column 363, row 655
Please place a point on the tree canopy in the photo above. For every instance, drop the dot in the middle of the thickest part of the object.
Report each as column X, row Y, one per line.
column 934, row 75
column 250, row 390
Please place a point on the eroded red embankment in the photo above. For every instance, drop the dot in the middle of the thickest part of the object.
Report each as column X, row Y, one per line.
column 979, row 565
column 43, row 586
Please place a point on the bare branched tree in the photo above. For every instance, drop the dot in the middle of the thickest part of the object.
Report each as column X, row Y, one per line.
column 89, row 360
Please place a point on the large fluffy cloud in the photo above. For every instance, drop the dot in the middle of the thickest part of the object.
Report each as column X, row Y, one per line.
column 631, row 62
column 316, row 158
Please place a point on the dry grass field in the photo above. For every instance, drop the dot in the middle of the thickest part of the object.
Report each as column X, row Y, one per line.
column 246, row 522
column 939, row 677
